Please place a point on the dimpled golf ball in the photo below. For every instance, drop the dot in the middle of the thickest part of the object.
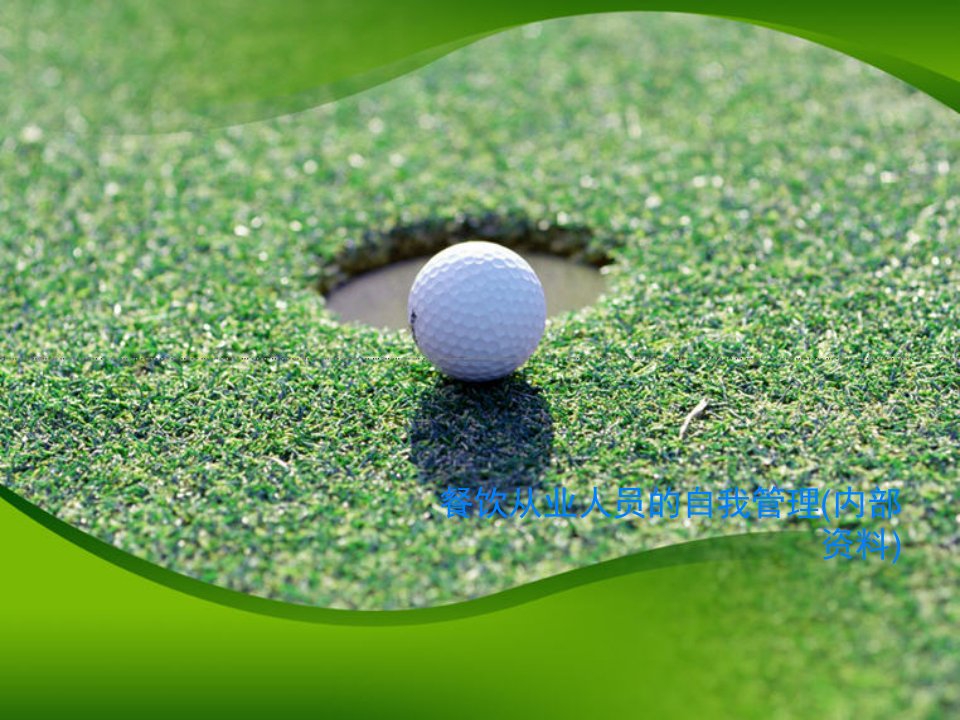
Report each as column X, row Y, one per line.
column 477, row 311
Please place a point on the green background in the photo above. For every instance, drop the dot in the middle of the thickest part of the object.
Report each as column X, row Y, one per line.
column 736, row 627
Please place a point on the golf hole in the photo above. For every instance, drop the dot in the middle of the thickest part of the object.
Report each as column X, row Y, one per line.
column 369, row 282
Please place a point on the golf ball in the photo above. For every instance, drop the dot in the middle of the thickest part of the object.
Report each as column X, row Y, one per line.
column 477, row 311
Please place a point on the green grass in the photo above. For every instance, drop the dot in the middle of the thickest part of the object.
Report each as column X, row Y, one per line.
column 785, row 227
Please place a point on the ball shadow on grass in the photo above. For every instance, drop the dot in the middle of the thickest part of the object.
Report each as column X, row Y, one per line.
column 482, row 436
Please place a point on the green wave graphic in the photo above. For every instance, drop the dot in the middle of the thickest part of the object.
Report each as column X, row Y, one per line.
column 141, row 67
column 744, row 627
column 748, row 547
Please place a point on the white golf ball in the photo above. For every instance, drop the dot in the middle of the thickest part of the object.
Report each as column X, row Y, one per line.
column 477, row 311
